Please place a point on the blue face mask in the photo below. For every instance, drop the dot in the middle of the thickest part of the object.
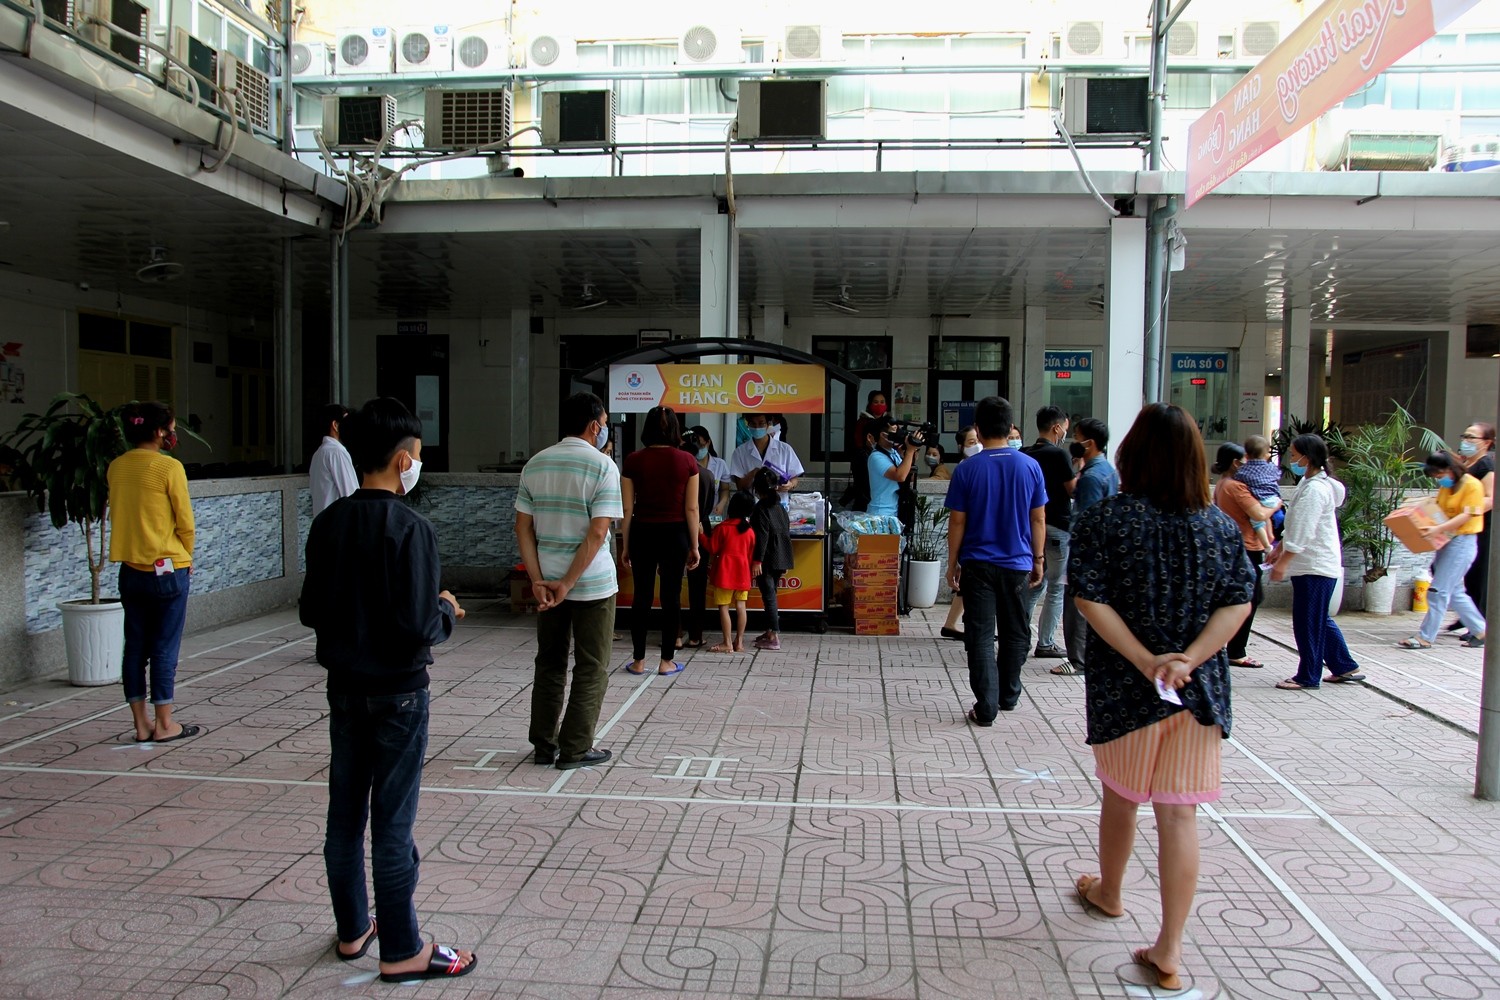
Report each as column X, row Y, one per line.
column 1468, row 447
column 758, row 432
column 1446, row 482
column 1298, row 470
column 1013, row 443
column 602, row 438
column 703, row 452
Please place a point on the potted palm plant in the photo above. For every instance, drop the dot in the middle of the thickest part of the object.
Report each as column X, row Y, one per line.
column 1380, row 466
column 929, row 543
column 64, row 455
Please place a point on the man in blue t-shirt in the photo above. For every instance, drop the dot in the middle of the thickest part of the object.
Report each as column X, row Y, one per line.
column 1097, row 481
column 997, row 536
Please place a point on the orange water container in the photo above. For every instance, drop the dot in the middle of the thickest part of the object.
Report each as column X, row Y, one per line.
column 1419, row 590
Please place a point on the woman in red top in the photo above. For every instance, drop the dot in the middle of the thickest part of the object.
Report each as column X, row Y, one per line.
column 733, row 545
column 659, row 536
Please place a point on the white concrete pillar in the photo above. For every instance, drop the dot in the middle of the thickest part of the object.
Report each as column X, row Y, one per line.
column 719, row 277
column 1250, row 409
column 1296, row 374
column 522, row 374
column 1124, row 324
column 1033, row 379
column 1446, row 412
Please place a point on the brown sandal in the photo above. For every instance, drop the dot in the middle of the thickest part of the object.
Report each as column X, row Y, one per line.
column 1165, row 980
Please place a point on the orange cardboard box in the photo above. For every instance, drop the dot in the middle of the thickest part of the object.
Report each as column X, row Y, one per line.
column 874, row 577
column 873, row 561
column 879, row 545
column 874, row 609
column 1405, row 523
column 877, row 627
column 875, row 595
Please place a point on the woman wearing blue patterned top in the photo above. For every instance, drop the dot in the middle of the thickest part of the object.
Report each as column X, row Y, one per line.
column 1161, row 576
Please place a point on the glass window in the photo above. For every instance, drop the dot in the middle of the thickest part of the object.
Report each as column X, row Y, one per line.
column 1372, row 95
column 868, row 357
column 101, row 333
column 1427, row 91
column 984, row 93
column 965, row 353
column 846, row 94
column 150, row 341
column 309, row 109
column 1190, row 90
column 971, row 369
column 210, row 27
column 647, row 97
column 237, row 41
column 926, row 92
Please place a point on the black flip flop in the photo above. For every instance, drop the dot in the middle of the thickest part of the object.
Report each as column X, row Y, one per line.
column 442, row 965
column 358, row 954
column 188, row 732
column 1348, row 678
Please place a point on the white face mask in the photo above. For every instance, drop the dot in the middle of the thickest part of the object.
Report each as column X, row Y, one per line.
column 776, row 432
column 602, row 438
column 410, row 476
column 970, row 450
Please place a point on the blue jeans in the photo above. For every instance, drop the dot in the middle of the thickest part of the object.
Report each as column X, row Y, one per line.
column 155, row 611
column 1449, row 590
column 377, row 743
column 1050, row 593
column 1319, row 639
column 994, row 600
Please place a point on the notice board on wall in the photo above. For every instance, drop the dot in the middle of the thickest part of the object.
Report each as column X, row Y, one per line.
column 1375, row 380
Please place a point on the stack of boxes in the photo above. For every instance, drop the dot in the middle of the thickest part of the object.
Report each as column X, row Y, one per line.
column 874, row 572
column 522, row 600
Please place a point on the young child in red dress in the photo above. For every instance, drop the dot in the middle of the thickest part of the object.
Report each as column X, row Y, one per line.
column 731, row 545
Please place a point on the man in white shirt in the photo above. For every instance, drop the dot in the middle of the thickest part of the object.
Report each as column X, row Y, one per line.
column 765, row 447
column 330, row 474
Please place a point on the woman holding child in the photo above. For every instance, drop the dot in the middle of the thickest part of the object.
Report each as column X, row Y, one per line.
column 1233, row 497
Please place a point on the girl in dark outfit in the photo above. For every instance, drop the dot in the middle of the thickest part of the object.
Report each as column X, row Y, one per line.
column 772, row 555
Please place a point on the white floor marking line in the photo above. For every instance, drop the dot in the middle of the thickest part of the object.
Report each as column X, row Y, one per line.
column 603, row 730
column 84, row 691
column 122, row 705
column 1464, row 927
column 1323, row 930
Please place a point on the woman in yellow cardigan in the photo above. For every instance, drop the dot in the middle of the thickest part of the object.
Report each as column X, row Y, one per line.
column 151, row 537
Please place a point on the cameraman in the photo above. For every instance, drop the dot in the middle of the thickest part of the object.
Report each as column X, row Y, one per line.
column 887, row 466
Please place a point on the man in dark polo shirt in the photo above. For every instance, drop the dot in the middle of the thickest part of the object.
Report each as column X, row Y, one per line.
column 1059, row 477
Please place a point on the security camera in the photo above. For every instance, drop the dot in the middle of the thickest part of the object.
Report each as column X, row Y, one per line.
column 83, row 286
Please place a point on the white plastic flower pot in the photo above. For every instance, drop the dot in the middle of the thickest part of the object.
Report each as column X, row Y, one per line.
column 922, row 584
column 94, row 636
column 1380, row 595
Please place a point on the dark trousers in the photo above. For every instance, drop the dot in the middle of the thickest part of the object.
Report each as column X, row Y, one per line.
column 1476, row 580
column 657, row 549
column 697, row 599
column 377, row 744
column 767, row 584
column 155, row 611
column 1075, row 630
column 569, row 726
column 1237, row 644
column 994, row 603
column 1319, row 638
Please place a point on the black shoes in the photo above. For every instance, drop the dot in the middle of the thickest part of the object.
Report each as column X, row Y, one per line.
column 589, row 758
column 545, row 755
column 951, row 633
column 1051, row 651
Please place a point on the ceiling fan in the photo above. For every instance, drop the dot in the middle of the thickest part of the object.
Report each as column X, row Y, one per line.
column 159, row 269
column 591, row 299
column 842, row 303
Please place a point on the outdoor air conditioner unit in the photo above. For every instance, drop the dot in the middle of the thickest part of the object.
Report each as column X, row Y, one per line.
column 364, row 51
column 1258, row 38
column 424, row 49
column 811, row 43
column 1106, row 105
column 549, row 50
column 200, row 58
column 707, row 44
column 782, row 109
column 1182, row 40
column 135, row 18
column 463, row 119
column 358, row 121
column 481, row 51
column 578, row 118
column 311, row 59
column 1085, row 40
column 253, row 87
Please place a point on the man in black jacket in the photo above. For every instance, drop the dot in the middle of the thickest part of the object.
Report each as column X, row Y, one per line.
column 373, row 596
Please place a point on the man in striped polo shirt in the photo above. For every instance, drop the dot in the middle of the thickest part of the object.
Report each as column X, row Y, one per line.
column 567, row 502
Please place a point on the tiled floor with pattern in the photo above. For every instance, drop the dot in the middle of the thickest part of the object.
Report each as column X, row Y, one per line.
column 813, row 822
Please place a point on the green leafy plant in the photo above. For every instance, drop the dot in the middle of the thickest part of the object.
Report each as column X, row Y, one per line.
column 62, row 461
column 1331, row 432
column 929, row 542
column 1379, row 465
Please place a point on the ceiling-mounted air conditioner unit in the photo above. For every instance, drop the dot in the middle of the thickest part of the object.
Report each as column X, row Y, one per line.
column 578, row 118
column 358, row 121
column 426, row 49
column 1258, row 38
column 481, row 51
column 200, row 59
column 1086, row 40
column 463, row 119
column 252, row 86
column 705, row 44
column 311, row 59
column 811, row 43
column 364, row 51
column 1105, row 105
column 782, row 109
column 1182, row 40
column 552, row 51
column 129, row 16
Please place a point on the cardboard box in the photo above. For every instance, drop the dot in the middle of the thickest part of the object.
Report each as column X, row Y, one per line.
column 874, row 577
column 879, row 545
column 522, row 601
column 875, row 596
column 881, row 626
column 873, row 561
column 1405, row 523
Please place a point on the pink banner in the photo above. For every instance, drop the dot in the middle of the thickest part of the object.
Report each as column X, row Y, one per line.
column 1342, row 46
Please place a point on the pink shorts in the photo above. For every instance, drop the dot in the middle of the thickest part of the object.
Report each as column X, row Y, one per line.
column 1175, row 761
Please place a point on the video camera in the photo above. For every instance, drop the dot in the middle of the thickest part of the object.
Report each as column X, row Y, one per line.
column 920, row 433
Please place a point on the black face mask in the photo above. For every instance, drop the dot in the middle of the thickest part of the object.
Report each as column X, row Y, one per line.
column 1077, row 450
